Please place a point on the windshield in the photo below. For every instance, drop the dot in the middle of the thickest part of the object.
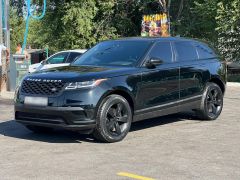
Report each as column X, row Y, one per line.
column 114, row 53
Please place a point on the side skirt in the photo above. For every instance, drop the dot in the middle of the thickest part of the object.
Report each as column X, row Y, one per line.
column 180, row 106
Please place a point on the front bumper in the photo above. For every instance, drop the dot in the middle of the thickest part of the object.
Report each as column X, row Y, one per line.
column 73, row 110
column 70, row 109
column 72, row 118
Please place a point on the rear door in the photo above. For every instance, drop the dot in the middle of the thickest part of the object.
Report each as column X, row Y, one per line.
column 159, row 86
column 192, row 72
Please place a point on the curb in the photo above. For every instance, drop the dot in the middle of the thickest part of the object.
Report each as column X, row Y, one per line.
column 233, row 84
column 7, row 95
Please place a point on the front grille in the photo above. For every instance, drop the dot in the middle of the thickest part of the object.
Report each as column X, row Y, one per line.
column 42, row 88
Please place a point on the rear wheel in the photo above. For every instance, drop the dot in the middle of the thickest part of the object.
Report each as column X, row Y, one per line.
column 212, row 102
column 114, row 119
column 39, row 129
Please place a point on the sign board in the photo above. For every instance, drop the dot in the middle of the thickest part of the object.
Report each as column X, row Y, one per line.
column 21, row 65
column 19, row 58
column 155, row 25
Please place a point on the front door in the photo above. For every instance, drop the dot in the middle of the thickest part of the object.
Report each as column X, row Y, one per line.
column 159, row 86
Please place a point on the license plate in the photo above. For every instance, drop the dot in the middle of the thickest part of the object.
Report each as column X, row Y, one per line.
column 36, row 101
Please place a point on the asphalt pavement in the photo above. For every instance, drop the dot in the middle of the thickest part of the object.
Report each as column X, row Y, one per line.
column 171, row 147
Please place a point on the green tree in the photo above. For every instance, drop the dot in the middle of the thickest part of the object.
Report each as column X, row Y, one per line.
column 74, row 24
column 228, row 29
column 17, row 29
column 71, row 24
column 18, row 6
column 196, row 20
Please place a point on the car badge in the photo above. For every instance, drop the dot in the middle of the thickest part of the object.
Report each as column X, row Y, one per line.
column 54, row 89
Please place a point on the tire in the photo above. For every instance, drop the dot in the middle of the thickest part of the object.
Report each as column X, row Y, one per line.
column 212, row 102
column 39, row 129
column 114, row 118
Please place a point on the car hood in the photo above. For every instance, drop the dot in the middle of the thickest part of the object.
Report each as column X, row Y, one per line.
column 33, row 67
column 81, row 73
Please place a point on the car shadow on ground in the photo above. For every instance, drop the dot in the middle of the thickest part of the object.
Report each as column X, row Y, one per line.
column 15, row 130
column 149, row 123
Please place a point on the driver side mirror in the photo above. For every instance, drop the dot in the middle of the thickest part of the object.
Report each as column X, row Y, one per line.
column 153, row 62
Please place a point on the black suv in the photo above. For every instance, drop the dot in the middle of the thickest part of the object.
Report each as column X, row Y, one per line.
column 118, row 82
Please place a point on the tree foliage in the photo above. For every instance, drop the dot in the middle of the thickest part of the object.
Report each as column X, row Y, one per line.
column 17, row 28
column 71, row 24
column 74, row 24
column 228, row 29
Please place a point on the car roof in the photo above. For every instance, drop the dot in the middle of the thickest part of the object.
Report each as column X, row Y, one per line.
column 155, row 39
column 74, row 50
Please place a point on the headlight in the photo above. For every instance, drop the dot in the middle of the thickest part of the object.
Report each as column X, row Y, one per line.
column 16, row 93
column 85, row 84
column 18, row 88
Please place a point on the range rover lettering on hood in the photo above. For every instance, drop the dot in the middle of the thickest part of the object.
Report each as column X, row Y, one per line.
column 43, row 80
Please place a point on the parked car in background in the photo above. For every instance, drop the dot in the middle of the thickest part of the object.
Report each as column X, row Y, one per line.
column 233, row 67
column 63, row 58
column 123, row 81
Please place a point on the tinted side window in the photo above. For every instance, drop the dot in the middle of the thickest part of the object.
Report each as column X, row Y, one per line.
column 58, row 58
column 204, row 51
column 162, row 51
column 73, row 56
column 185, row 51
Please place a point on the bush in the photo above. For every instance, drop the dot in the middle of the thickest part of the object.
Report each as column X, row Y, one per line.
column 233, row 78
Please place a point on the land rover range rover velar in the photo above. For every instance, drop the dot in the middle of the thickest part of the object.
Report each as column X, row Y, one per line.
column 122, row 81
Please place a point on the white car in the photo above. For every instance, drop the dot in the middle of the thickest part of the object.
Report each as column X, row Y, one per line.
column 63, row 58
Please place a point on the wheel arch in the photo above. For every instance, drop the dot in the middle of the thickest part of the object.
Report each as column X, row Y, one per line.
column 219, row 83
column 126, row 95
column 121, row 92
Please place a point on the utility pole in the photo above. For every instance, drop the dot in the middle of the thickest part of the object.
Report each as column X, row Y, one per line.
column 1, row 41
column 7, row 25
column 1, row 34
column 5, row 40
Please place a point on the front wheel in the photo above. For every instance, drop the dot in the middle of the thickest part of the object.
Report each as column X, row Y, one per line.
column 212, row 102
column 114, row 119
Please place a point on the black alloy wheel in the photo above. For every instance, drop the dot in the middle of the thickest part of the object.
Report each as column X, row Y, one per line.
column 114, row 119
column 212, row 102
